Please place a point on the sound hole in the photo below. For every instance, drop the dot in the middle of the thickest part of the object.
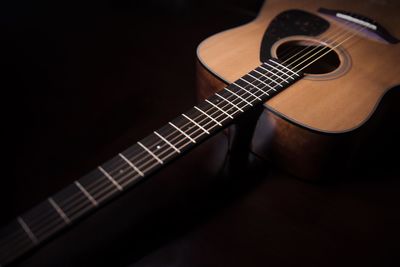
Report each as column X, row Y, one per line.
column 311, row 57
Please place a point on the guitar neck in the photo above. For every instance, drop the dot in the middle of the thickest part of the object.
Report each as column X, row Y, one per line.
column 143, row 158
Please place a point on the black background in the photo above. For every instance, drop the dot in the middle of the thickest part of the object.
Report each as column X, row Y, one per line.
column 78, row 76
column 83, row 80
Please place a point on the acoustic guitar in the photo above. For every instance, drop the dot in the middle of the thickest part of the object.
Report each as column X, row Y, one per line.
column 320, row 69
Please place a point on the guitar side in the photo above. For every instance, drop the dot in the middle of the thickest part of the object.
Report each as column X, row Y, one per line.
column 314, row 121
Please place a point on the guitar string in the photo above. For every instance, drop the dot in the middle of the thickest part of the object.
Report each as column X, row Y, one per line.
column 167, row 156
column 246, row 98
column 323, row 54
column 329, row 50
column 303, row 68
column 179, row 135
column 340, row 30
column 207, row 124
column 310, row 63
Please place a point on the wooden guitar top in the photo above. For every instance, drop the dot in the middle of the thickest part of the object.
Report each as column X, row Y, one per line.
column 333, row 104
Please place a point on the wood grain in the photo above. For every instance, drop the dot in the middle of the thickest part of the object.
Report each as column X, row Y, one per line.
column 292, row 131
column 334, row 105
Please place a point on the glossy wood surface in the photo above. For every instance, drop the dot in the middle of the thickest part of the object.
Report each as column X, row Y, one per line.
column 334, row 105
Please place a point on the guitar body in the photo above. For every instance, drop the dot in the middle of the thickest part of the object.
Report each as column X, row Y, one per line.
column 309, row 127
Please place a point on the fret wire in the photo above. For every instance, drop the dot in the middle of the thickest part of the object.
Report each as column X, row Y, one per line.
column 215, row 106
column 93, row 180
column 235, row 99
column 104, row 184
column 256, row 79
column 161, row 153
column 27, row 230
column 131, row 164
column 190, row 138
column 42, row 217
column 252, row 86
column 80, row 207
column 140, row 159
column 86, row 193
column 59, row 210
column 266, row 76
column 233, row 105
column 199, row 118
column 186, row 125
column 247, row 91
column 244, row 100
column 36, row 221
column 269, row 65
column 45, row 227
column 68, row 203
column 168, row 155
column 166, row 141
column 85, row 203
column 195, row 123
column 110, row 178
column 151, row 153
column 277, row 63
column 217, row 122
column 100, row 194
column 268, row 86
column 218, row 110
column 49, row 228
column 283, row 79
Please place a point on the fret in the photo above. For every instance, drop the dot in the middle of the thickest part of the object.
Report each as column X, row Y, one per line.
column 141, row 159
column 256, row 79
column 13, row 233
column 279, row 70
column 209, row 116
column 182, row 132
column 13, row 241
column 175, row 137
column 131, row 164
column 71, row 201
column 223, row 98
column 283, row 79
column 157, row 148
column 265, row 93
column 86, row 193
column 167, row 142
column 220, row 109
column 59, row 210
column 98, row 186
column 27, row 230
column 283, row 66
column 266, row 76
column 247, row 91
column 109, row 177
column 151, row 153
column 42, row 220
column 195, row 123
column 120, row 170
column 238, row 96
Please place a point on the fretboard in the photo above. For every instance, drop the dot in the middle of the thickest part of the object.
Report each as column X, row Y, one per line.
column 143, row 158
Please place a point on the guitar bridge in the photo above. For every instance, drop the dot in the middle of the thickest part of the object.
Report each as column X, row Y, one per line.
column 362, row 21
